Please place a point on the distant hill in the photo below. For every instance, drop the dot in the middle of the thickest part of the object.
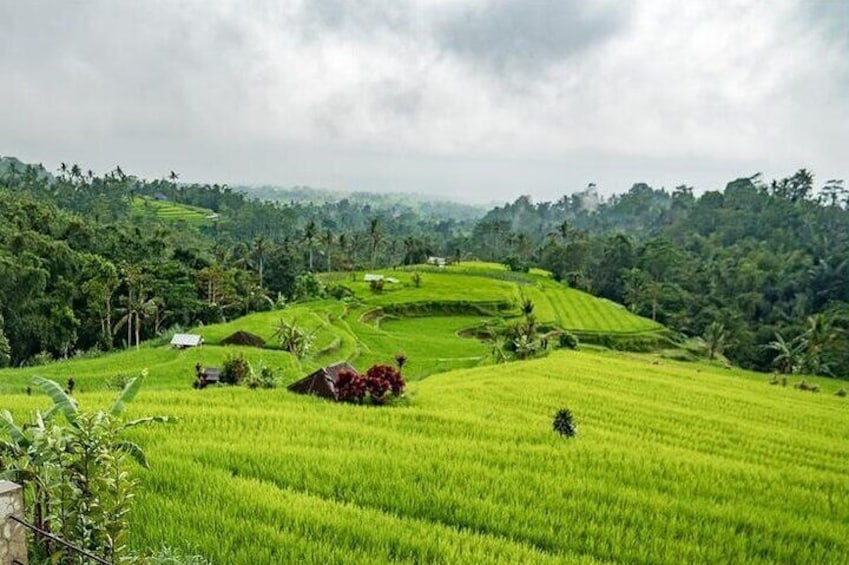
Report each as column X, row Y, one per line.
column 423, row 204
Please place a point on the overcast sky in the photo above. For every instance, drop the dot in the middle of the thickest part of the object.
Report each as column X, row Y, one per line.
column 476, row 100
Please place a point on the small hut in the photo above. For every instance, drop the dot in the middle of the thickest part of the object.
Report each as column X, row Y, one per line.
column 181, row 341
column 243, row 338
column 321, row 382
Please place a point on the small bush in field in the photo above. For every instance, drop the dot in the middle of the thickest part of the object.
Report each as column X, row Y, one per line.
column 350, row 387
column 377, row 385
column 567, row 340
column 234, row 370
column 376, row 285
column 805, row 385
column 564, row 423
column 117, row 381
column 841, row 393
column 383, row 380
column 417, row 279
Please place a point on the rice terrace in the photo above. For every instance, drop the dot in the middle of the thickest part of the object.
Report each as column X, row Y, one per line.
column 466, row 282
column 674, row 461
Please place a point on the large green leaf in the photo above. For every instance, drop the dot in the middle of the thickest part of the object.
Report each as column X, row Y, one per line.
column 61, row 401
column 14, row 431
column 149, row 420
column 134, row 450
column 130, row 391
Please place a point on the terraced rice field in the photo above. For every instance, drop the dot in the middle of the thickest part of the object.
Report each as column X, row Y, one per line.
column 172, row 211
column 491, row 283
column 673, row 463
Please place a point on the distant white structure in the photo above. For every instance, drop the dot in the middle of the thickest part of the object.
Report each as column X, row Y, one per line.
column 181, row 341
column 438, row 261
column 372, row 277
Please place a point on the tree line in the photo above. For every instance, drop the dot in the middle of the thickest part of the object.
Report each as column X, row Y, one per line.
column 759, row 269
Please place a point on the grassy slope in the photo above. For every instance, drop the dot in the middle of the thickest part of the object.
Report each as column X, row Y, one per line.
column 488, row 282
column 673, row 463
column 172, row 211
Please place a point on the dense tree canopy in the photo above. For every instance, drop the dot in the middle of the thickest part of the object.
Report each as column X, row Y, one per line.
column 85, row 262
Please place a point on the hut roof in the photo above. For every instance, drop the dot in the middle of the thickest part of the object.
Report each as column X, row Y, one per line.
column 186, row 340
column 322, row 382
column 243, row 338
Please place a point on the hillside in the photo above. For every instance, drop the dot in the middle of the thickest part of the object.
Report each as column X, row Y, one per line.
column 673, row 463
column 425, row 323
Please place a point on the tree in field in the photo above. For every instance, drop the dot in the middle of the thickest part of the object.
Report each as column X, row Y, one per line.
column 817, row 336
column 137, row 304
column 788, row 354
column 716, row 339
column 293, row 338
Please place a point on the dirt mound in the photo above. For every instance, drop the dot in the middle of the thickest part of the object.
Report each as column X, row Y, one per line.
column 243, row 338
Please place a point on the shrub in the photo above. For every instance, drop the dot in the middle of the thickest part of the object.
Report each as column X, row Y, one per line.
column 805, row 385
column 72, row 465
column 381, row 380
column 350, row 387
column 564, row 423
column 400, row 360
column 235, row 368
column 841, row 392
column 39, row 359
column 308, row 287
column 268, row 377
column 293, row 338
column 376, row 285
column 117, row 381
column 417, row 279
column 567, row 340
column 378, row 385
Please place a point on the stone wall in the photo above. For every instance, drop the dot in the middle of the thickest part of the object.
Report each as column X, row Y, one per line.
column 13, row 540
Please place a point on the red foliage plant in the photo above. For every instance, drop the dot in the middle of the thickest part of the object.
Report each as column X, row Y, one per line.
column 378, row 382
column 382, row 379
column 350, row 387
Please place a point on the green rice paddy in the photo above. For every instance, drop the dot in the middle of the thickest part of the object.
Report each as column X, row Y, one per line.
column 673, row 462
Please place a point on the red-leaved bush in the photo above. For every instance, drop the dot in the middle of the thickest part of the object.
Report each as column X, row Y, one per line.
column 350, row 387
column 379, row 382
column 382, row 379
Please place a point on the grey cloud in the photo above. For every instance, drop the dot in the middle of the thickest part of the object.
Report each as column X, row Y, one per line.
column 516, row 36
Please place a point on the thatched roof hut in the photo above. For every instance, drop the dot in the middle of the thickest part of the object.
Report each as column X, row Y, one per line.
column 243, row 338
column 321, row 382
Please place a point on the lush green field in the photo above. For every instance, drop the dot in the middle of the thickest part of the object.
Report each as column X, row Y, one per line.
column 673, row 463
column 172, row 211
column 492, row 284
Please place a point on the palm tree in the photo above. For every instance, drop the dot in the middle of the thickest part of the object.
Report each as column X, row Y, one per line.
column 819, row 333
column 310, row 232
column 327, row 239
column 788, row 353
column 716, row 338
column 260, row 251
column 376, row 236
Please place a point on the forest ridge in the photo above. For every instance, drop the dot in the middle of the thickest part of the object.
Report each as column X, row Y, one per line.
column 87, row 262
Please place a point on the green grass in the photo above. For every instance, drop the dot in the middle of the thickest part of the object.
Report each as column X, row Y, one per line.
column 673, row 463
column 489, row 284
